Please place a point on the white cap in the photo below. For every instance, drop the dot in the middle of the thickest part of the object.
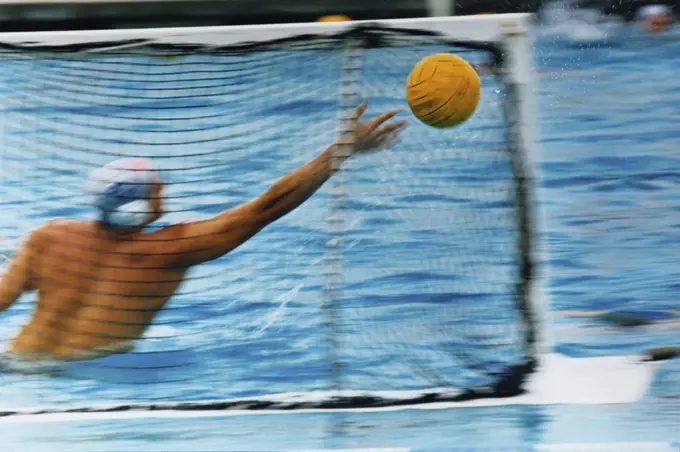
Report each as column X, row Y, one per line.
column 653, row 10
column 121, row 190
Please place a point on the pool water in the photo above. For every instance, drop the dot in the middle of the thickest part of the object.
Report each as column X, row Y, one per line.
column 609, row 190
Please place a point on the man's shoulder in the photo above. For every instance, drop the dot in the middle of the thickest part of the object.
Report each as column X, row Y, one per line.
column 161, row 241
column 161, row 245
column 61, row 226
column 165, row 233
column 63, row 222
column 62, row 230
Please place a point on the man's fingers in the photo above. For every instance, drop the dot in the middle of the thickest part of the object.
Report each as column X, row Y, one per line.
column 377, row 122
column 394, row 127
column 359, row 111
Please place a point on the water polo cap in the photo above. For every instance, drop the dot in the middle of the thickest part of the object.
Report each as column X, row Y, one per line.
column 121, row 190
column 653, row 10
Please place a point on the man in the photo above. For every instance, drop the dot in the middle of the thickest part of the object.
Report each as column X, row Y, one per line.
column 655, row 18
column 100, row 284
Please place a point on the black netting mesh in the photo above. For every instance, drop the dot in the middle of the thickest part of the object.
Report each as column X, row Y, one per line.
column 429, row 255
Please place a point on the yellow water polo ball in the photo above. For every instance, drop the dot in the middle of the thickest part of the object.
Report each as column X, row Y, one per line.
column 443, row 90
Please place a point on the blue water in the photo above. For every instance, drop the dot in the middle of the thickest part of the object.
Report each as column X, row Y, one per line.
column 251, row 323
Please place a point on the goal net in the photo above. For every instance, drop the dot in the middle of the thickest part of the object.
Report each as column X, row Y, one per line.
column 407, row 278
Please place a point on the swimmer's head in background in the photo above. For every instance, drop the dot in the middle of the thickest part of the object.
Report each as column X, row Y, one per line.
column 655, row 17
column 122, row 192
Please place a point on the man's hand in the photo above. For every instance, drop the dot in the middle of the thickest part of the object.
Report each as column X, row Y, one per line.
column 371, row 135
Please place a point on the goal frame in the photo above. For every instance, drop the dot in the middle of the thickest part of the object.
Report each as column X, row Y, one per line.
column 511, row 32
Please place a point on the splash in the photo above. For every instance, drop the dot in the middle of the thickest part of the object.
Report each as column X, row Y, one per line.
column 565, row 19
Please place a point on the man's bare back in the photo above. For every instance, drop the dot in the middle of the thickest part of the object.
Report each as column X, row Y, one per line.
column 97, row 291
column 99, row 287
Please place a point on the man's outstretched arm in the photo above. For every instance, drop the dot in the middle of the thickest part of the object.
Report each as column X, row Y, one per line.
column 197, row 242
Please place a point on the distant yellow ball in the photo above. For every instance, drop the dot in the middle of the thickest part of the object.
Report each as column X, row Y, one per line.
column 443, row 90
column 334, row 18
